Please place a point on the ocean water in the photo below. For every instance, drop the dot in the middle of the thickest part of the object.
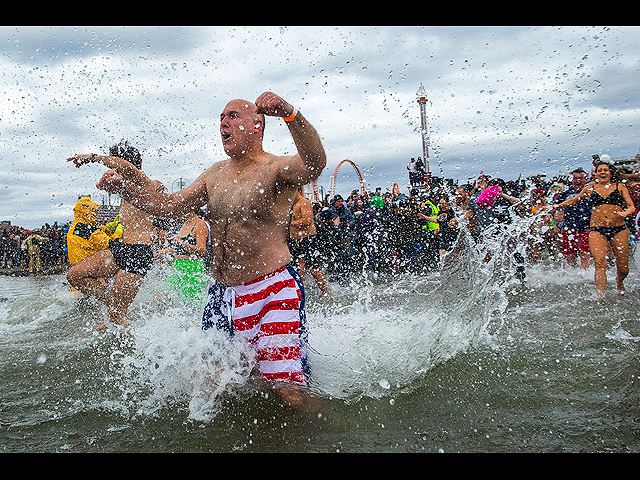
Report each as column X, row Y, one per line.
column 465, row 359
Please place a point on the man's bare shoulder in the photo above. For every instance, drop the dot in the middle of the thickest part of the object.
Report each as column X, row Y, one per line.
column 281, row 165
column 214, row 171
column 282, row 160
column 290, row 169
column 216, row 167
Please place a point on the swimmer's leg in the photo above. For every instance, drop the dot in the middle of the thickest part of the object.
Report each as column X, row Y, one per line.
column 598, row 245
column 124, row 290
column 86, row 275
column 620, row 245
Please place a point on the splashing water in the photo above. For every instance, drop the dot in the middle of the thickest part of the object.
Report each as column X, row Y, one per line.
column 368, row 338
column 371, row 337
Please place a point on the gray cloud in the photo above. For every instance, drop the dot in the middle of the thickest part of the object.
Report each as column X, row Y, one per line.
column 502, row 100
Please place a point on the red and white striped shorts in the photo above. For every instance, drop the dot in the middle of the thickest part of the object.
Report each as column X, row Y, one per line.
column 269, row 313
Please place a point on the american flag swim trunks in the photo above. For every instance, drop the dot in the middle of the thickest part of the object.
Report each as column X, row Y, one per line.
column 269, row 313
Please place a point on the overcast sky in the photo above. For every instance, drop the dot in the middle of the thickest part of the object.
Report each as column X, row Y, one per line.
column 501, row 100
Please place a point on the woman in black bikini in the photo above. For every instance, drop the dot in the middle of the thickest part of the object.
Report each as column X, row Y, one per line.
column 611, row 203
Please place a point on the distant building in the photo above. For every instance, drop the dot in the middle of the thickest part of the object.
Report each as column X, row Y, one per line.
column 107, row 213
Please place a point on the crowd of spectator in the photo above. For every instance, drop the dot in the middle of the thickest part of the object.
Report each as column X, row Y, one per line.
column 376, row 231
column 36, row 252
column 394, row 232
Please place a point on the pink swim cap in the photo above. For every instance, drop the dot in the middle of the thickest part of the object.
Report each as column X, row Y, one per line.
column 486, row 200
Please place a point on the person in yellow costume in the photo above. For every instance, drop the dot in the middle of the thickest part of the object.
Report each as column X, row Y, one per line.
column 84, row 237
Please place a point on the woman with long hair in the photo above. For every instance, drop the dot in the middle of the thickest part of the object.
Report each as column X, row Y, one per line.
column 611, row 204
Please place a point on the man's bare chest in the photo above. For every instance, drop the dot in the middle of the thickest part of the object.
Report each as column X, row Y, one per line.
column 241, row 197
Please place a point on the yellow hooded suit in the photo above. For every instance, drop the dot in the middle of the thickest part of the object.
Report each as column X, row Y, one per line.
column 84, row 238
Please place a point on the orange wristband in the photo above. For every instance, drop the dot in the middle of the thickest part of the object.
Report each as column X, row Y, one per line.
column 292, row 116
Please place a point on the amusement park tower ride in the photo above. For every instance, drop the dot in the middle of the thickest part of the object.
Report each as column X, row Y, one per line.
column 422, row 101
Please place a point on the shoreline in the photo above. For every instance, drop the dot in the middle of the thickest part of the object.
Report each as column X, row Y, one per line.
column 24, row 272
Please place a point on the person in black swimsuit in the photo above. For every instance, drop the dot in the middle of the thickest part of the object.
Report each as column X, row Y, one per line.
column 126, row 260
column 611, row 203
column 614, row 198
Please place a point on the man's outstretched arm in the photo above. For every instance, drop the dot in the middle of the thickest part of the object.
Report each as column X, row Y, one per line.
column 126, row 169
column 152, row 201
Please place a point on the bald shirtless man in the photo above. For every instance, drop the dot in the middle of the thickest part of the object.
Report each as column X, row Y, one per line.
column 127, row 260
column 258, row 295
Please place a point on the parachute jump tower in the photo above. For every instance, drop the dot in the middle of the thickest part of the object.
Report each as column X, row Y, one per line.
column 422, row 101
